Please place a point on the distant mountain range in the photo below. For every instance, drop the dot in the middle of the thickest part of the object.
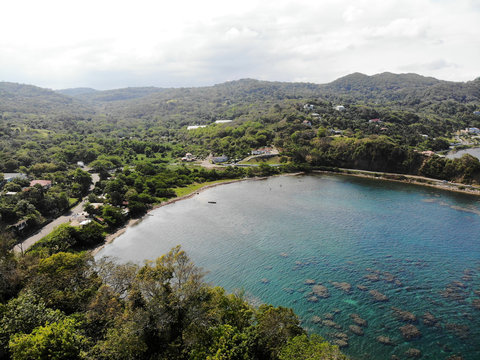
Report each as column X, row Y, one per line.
column 404, row 89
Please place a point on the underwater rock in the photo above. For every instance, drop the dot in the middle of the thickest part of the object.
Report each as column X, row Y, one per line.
column 358, row 320
column 410, row 332
column 284, row 254
column 461, row 331
column 476, row 292
column 328, row 316
column 316, row 319
column 336, row 311
column 344, row 286
column 385, row 340
column 430, row 320
column 413, row 353
column 455, row 291
column 331, row 324
column 372, row 277
column 289, row 290
column 405, row 316
column 313, row 299
column 321, row 291
column 341, row 335
column 362, row 287
column 467, row 278
column 309, row 282
column 265, row 281
column 394, row 357
column 476, row 303
column 357, row 330
column 454, row 357
column 341, row 343
column 378, row 296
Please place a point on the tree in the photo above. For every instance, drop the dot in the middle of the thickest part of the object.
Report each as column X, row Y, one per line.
column 312, row 347
column 65, row 281
column 276, row 326
column 57, row 341
column 22, row 315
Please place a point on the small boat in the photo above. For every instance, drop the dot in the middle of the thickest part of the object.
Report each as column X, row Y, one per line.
column 212, row 202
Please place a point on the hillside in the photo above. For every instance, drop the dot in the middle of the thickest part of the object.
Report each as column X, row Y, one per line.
column 28, row 99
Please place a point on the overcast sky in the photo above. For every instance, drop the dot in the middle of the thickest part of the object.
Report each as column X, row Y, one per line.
column 111, row 44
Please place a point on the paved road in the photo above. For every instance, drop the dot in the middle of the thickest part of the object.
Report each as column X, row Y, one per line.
column 47, row 229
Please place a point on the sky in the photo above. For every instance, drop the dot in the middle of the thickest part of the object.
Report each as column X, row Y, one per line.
column 107, row 44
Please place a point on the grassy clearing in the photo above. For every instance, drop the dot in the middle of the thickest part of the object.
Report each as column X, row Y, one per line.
column 273, row 160
column 194, row 187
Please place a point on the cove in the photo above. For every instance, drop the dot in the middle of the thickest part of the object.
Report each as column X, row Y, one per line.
column 327, row 245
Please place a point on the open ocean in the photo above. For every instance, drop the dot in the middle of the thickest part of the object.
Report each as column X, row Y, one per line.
column 356, row 239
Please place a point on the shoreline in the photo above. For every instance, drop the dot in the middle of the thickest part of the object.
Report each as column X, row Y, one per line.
column 132, row 222
column 409, row 179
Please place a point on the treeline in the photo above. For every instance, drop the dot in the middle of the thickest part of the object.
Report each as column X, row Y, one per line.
column 64, row 305
column 380, row 153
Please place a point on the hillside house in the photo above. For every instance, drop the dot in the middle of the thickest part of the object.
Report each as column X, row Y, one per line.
column 340, row 108
column 262, row 151
column 374, row 121
column 473, row 130
column 20, row 225
column 307, row 123
column 308, row 107
column 193, row 127
column 188, row 157
column 223, row 121
column 477, row 113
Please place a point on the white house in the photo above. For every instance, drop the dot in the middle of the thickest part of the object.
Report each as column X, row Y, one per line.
column 340, row 108
column 223, row 121
column 473, row 130
column 193, row 127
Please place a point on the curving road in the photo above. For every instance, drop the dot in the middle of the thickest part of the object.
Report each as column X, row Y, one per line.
column 47, row 229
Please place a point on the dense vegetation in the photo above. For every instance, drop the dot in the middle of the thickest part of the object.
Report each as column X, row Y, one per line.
column 56, row 303
column 59, row 304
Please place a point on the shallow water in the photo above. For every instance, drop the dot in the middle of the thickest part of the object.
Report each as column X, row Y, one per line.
column 269, row 236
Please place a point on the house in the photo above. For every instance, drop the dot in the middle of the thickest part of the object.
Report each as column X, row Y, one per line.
column 19, row 226
column 307, row 123
column 188, row 157
column 219, row 159
column 80, row 164
column 11, row 193
column 476, row 113
column 424, row 135
column 193, row 127
column 44, row 183
column 374, row 121
column 340, row 108
column 308, row 107
column 223, row 121
column 316, row 115
column 262, row 151
column 10, row 176
column 473, row 130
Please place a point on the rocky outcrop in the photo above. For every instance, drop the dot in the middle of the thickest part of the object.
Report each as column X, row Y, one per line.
column 357, row 330
column 358, row 320
column 404, row 316
column 385, row 340
column 378, row 296
column 410, row 332
column 413, row 353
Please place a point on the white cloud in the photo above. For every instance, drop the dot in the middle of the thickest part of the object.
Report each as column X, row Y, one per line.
column 119, row 43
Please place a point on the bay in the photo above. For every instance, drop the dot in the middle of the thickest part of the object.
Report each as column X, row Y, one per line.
column 418, row 246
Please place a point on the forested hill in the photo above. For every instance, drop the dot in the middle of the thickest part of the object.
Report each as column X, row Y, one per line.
column 28, row 99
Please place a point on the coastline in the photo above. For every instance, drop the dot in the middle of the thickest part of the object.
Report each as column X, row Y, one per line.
column 401, row 178
column 407, row 179
column 132, row 222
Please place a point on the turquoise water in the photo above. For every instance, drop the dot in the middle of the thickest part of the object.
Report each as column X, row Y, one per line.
column 268, row 237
